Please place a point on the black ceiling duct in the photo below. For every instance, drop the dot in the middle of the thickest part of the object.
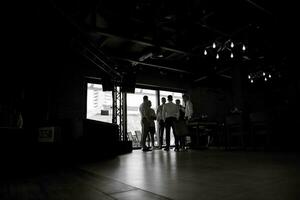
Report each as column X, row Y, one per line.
column 128, row 82
column 107, row 84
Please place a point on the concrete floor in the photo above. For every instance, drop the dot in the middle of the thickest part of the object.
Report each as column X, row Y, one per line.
column 206, row 174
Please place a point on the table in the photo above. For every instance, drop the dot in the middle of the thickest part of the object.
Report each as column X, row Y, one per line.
column 201, row 127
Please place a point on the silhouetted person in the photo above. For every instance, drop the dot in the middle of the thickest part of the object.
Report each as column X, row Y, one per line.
column 144, row 108
column 181, row 128
column 17, row 119
column 170, row 115
column 151, row 117
column 188, row 107
column 161, row 122
column 188, row 114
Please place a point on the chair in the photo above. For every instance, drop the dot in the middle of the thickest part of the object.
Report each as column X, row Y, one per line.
column 138, row 135
column 234, row 130
column 133, row 138
column 129, row 135
column 259, row 129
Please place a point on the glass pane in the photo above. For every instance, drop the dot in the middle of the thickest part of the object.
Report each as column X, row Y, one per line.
column 99, row 103
column 176, row 95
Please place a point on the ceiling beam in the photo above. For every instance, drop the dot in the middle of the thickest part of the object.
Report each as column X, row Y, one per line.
column 200, row 79
column 258, row 7
column 220, row 73
column 212, row 29
column 88, row 49
column 141, row 42
column 152, row 65
column 226, row 76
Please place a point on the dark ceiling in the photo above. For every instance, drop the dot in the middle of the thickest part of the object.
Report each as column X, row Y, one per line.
column 170, row 36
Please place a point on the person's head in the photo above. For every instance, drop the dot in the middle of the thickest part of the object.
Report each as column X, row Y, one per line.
column 145, row 98
column 149, row 103
column 185, row 97
column 163, row 100
column 177, row 101
column 170, row 98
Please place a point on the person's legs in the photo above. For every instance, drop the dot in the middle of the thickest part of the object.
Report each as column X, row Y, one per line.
column 172, row 124
column 182, row 142
column 148, row 139
column 152, row 131
column 208, row 140
column 161, row 133
column 177, row 138
column 145, row 131
column 168, row 127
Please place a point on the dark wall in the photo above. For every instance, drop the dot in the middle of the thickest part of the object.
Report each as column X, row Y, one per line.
column 280, row 100
column 42, row 77
column 216, row 103
column 165, row 79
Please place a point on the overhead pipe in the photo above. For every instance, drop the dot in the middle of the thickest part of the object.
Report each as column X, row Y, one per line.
column 152, row 65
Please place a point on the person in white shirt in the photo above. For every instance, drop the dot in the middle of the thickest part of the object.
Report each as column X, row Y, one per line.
column 161, row 122
column 170, row 114
column 145, row 123
column 188, row 107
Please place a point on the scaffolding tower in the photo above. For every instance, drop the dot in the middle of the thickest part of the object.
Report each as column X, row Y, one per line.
column 120, row 112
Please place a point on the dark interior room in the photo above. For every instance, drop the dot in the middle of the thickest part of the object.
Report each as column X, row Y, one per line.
column 83, row 87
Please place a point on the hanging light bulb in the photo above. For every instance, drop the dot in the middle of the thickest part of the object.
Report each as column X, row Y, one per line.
column 244, row 48
column 249, row 77
column 217, row 56
column 214, row 45
column 266, row 79
column 270, row 76
column 231, row 55
column 205, row 52
column 251, row 81
column 264, row 73
column 231, row 44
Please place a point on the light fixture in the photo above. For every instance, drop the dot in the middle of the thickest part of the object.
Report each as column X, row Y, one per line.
column 225, row 47
column 214, row 45
column 260, row 75
column 244, row 48
column 252, row 81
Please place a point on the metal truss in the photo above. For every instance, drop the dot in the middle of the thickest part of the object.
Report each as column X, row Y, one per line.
column 120, row 112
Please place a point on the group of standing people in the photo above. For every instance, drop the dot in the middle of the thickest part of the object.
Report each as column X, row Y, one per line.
column 168, row 115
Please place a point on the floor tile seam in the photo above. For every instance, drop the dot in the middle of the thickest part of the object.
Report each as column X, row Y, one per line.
column 135, row 188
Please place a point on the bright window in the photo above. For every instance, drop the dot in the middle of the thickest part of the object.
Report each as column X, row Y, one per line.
column 176, row 95
column 133, row 114
column 99, row 107
column 99, row 103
